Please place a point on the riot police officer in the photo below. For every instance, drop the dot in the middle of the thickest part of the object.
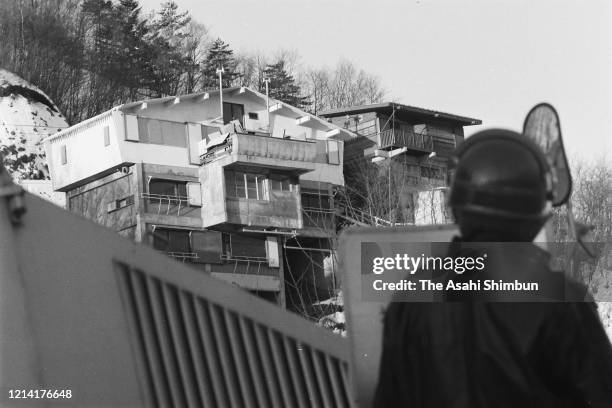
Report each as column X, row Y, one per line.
column 499, row 353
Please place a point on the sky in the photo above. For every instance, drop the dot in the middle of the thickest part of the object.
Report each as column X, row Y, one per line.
column 488, row 59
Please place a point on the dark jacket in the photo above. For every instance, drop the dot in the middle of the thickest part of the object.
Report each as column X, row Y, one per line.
column 476, row 354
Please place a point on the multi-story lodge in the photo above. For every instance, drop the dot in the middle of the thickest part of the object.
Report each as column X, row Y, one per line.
column 244, row 192
column 420, row 142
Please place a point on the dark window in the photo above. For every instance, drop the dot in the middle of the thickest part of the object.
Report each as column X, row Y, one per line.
column 207, row 245
column 63, row 154
column 431, row 172
column 237, row 245
column 253, row 115
column 171, row 240
column 168, row 187
column 316, row 200
column 233, row 111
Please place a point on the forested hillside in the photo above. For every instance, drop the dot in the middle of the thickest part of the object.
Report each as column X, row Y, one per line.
column 89, row 55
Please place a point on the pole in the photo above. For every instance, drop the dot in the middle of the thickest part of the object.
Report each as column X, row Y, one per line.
column 390, row 160
column 267, row 81
column 220, row 72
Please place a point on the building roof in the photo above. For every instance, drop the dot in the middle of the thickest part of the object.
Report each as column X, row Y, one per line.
column 274, row 104
column 414, row 111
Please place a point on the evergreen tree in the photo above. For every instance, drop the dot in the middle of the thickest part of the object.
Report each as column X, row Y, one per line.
column 219, row 55
column 135, row 54
column 282, row 86
column 167, row 40
column 170, row 23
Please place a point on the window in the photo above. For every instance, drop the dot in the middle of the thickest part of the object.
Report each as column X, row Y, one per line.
column 207, row 245
column 245, row 185
column 420, row 129
column 280, row 183
column 163, row 132
column 168, row 187
column 253, row 115
column 63, row 155
column 188, row 246
column 119, row 204
column 171, row 240
column 243, row 246
column 106, row 136
column 431, row 172
column 316, row 199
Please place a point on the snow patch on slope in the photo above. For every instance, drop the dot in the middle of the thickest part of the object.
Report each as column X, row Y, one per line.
column 27, row 116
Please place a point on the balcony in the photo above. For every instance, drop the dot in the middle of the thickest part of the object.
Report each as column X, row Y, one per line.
column 175, row 205
column 281, row 210
column 299, row 156
column 418, row 143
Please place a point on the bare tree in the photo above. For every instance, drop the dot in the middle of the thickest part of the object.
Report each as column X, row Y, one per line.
column 351, row 86
column 195, row 44
column 592, row 197
column 316, row 84
column 251, row 66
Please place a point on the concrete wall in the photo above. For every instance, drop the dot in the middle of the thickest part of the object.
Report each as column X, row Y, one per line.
column 92, row 201
column 213, row 193
column 282, row 211
column 86, row 154
column 324, row 172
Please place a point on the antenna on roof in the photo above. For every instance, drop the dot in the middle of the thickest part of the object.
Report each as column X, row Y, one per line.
column 267, row 81
column 220, row 71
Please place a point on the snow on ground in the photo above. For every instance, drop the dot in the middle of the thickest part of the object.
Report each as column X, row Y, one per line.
column 27, row 116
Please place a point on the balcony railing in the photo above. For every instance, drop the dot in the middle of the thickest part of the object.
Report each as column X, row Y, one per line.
column 390, row 139
column 185, row 257
column 248, row 260
column 267, row 147
column 167, row 204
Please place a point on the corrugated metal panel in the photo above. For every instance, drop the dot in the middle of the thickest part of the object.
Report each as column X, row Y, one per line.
column 200, row 354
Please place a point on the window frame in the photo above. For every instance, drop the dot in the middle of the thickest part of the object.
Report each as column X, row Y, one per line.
column 176, row 183
column 241, row 183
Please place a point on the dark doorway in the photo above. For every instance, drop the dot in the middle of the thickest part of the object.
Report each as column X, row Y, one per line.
column 233, row 111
